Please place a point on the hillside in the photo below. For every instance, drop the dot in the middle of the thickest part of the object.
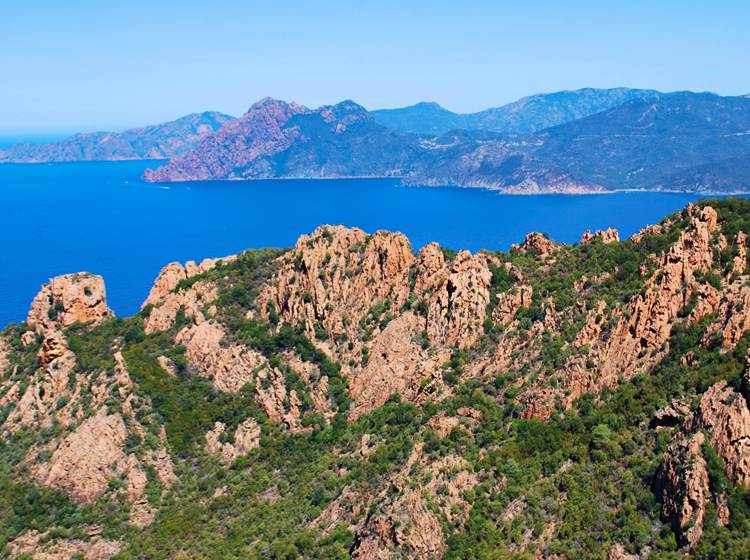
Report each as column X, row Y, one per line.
column 527, row 115
column 350, row 398
column 160, row 141
column 279, row 139
column 681, row 141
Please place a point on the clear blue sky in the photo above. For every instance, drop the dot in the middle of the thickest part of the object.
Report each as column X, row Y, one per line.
column 83, row 65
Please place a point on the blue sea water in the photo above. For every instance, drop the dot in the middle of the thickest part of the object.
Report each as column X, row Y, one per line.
column 99, row 217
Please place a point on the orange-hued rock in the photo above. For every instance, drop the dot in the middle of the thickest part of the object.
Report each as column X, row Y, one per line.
column 508, row 304
column 83, row 463
column 4, row 360
column 165, row 300
column 397, row 364
column 406, row 524
column 732, row 314
column 246, row 438
column 171, row 275
column 231, row 366
column 609, row 235
column 724, row 413
column 51, row 382
column 457, row 305
column 640, row 337
column 333, row 277
column 739, row 264
column 69, row 299
column 44, row 546
column 684, row 487
column 618, row 552
column 537, row 244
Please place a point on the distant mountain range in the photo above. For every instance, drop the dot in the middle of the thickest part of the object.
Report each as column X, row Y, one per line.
column 160, row 141
column 571, row 142
column 529, row 114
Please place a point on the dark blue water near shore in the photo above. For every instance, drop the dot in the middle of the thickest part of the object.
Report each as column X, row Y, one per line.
column 101, row 218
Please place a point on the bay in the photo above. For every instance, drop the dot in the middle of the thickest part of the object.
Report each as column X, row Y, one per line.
column 100, row 217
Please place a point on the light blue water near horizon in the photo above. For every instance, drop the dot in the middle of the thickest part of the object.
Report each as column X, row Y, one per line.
column 100, row 217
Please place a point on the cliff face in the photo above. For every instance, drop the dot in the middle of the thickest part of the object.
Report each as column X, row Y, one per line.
column 379, row 402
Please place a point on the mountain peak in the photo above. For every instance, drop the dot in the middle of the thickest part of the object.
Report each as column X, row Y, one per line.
column 269, row 103
column 346, row 111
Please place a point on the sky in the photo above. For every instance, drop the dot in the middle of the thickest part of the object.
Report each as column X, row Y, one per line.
column 78, row 65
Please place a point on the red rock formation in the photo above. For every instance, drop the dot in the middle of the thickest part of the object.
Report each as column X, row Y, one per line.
column 45, row 546
column 640, row 338
column 246, row 438
column 334, row 279
column 537, row 244
column 259, row 132
column 724, row 413
column 166, row 301
column 69, row 299
column 508, row 304
column 609, row 235
column 684, row 488
column 82, row 464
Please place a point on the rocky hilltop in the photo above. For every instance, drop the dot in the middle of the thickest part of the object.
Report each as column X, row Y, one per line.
column 680, row 141
column 160, row 141
column 350, row 397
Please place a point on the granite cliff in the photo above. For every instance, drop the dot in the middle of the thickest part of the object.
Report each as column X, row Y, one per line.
column 350, row 397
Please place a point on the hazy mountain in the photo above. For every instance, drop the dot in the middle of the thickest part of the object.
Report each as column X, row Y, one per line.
column 152, row 142
column 279, row 139
column 529, row 114
column 423, row 118
column 645, row 143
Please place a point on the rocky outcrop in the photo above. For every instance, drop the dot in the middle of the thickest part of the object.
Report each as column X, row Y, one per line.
column 407, row 524
column 354, row 289
column 230, row 366
column 538, row 244
column 82, row 464
column 69, row 299
column 508, row 304
column 335, row 276
column 457, row 305
column 684, row 488
column 44, row 546
column 165, row 301
column 740, row 262
column 246, row 438
column 723, row 416
column 640, row 337
column 609, row 235
column 732, row 314
column 724, row 413
column 50, row 384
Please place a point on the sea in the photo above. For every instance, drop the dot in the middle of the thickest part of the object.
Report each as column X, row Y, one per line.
column 100, row 217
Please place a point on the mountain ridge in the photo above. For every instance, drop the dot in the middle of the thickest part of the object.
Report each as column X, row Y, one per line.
column 526, row 115
column 606, row 151
column 350, row 398
column 160, row 141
